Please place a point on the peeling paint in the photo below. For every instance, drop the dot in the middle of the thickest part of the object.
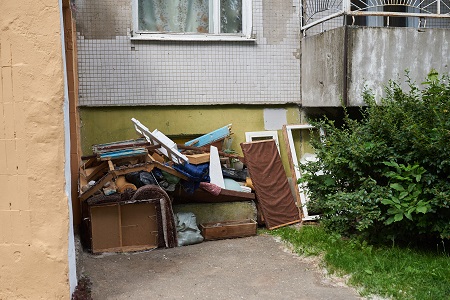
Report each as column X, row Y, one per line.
column 276, row 15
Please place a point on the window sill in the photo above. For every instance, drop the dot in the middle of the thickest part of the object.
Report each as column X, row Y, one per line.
column 191, row 37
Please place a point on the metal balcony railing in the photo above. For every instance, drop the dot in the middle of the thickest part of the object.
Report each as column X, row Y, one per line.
column 322, row 15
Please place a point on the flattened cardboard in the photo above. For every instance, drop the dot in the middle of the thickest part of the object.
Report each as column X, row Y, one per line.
column 123, row 227
column 139, row 225
column 105, row 228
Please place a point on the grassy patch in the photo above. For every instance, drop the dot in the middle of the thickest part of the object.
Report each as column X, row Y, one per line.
column 400, row 273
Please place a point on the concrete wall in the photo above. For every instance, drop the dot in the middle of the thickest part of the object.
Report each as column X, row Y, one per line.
column 377, row 55
column 374, row 56
column 115, row 71
column 34, row 212
column 323, row 68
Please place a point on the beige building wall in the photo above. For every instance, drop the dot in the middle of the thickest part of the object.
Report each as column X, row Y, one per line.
column 34, row 210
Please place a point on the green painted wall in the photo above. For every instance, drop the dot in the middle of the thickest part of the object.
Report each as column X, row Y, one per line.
column 108, row 124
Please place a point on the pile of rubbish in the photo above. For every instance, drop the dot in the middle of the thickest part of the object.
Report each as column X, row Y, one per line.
column 119, row 174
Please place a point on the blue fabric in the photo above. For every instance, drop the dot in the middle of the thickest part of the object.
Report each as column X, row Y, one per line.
column 195, row 173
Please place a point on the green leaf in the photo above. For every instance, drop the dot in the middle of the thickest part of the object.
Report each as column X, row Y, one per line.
column 398, row 217
column 390, row 163
column 329, row 181
column 422, row 209
column 368, row 271
column 389, row 221
column 387, row 202
column 403, row 195
column 393, row 210
column 397, row 187
column 408, row 215
column 369, row 145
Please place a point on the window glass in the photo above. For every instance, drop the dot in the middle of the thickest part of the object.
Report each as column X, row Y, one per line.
column 190, row 16
column 231, row 16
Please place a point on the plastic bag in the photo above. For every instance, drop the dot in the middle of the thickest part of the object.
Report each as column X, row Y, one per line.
column 140, row 179
column 187, row 230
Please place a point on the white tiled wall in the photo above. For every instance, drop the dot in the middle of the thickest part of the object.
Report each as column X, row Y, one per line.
column 114, row 71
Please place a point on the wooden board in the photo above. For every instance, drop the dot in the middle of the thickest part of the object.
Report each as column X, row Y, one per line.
column 105, row 228
column 139, row 225
column 228, row 229
column 121, row 227
column 201, row 196
column 196, row 159
column 96, row 172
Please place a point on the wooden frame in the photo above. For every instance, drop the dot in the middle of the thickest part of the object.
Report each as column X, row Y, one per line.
column 123, row 226
column 263, row 134
column 168, row 147
column 301, row 196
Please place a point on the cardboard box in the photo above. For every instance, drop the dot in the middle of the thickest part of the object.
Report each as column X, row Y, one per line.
column 228, row 229
column 123, row 226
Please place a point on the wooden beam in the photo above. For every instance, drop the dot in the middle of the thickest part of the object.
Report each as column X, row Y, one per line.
column 95, row 172
column 125, row 170
column 292, row 168
column 98, row 185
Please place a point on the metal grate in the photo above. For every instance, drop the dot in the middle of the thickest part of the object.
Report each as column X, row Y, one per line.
column 322, row 15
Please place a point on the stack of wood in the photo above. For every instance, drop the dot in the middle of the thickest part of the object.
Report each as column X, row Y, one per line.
column 104, row 171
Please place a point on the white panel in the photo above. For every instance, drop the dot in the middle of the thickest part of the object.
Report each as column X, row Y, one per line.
column 274, row 118
column 215, row 169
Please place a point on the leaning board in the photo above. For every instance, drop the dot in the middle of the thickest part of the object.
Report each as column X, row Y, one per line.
column 271, row 185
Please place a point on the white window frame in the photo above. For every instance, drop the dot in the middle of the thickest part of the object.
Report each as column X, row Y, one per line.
column 266, row 135
column 214, row 24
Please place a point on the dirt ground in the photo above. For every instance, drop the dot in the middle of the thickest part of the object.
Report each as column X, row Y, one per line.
column 246, row 268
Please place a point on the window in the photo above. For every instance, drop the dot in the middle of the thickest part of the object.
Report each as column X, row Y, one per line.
column 192, row 19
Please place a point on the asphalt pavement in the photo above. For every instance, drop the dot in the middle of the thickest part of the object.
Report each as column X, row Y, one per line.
column 258, row 267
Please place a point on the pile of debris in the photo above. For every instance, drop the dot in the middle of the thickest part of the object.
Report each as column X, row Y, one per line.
column 127, row 188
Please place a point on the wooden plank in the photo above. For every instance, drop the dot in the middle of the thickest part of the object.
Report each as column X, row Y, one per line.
column 90, row 162
column 286, row 224
column 98, row 185
column 211, row 137
column 136, row 168
column 123, row 153
column 201, row 196
column 111, row 165
column 105, row 227
column 206, row 150
column 168, row 147
column 292, row 168
column 139, row 225
column 196, row 159
column 95, row 172
column 128, row 144
column 297, row 174
column 228, row 229
column 215, row 169
column 169, row 170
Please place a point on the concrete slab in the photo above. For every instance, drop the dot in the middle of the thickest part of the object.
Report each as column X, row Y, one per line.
column 246, row 268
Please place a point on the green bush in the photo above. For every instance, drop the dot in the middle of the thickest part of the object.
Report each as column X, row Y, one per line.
column 386, row 175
